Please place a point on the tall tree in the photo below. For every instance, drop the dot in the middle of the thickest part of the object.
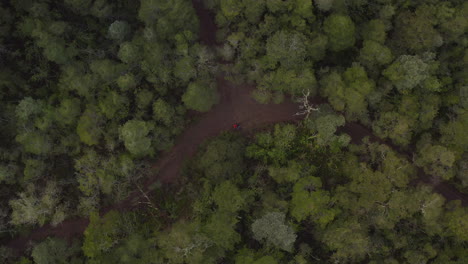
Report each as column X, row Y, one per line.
column 340, row 30
column 272, row 229
column 200, row 96
column 134, row 134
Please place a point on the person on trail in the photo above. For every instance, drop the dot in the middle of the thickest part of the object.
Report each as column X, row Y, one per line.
column 236, row 126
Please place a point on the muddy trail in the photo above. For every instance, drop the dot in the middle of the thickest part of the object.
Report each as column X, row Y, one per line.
column 236, row 105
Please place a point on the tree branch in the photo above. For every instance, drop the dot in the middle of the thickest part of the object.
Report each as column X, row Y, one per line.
column 305, row 108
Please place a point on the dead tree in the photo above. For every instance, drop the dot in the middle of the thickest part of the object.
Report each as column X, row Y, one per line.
column 305, row 108
column 148, row 201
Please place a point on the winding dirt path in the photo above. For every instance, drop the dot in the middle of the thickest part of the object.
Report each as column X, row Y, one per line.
column 236, row 105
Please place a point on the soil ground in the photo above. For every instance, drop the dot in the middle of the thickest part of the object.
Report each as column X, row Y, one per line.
column 236, row 105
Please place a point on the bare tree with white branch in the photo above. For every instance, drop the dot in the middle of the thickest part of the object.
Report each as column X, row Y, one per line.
column 305, row 108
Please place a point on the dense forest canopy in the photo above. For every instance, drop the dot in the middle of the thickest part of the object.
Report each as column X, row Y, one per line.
column 95, row 92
